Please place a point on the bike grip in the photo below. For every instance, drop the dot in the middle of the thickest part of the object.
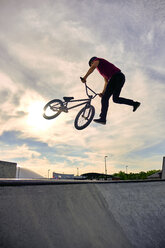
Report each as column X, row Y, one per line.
column 81, row 78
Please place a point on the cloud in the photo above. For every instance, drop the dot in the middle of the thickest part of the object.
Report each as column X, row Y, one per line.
column 18, row 152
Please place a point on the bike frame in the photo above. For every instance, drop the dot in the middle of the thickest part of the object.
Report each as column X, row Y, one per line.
column 85, row 101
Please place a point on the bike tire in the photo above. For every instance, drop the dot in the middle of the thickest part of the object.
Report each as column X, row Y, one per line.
column 89, row 110
column 57, row 104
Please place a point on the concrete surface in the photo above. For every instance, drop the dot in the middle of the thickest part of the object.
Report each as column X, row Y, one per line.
column 140, row 210
column 7, row 169
column 82, row 214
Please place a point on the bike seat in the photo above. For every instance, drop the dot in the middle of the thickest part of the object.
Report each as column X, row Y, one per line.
column 67, row 99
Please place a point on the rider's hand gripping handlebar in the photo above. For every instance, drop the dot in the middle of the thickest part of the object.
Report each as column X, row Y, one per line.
column 82, row 80
column 87, row 88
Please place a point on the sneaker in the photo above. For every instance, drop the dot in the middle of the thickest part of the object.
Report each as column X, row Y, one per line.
column 100, row 121
column 136, row 105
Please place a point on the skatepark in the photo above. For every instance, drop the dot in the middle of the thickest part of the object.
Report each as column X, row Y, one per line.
column 51, row 97
column 82, row 214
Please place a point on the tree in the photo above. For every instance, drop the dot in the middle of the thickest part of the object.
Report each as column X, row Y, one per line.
column 134, row 176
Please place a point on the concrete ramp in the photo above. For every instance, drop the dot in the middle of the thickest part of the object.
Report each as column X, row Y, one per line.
column 82, row 215
column 139, row 208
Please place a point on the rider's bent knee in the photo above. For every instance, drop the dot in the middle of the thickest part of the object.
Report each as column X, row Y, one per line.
column 115, row 99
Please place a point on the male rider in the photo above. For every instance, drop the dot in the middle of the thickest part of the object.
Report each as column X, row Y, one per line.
column 114, row 81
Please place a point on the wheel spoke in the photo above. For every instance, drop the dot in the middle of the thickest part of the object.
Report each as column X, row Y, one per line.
column 84, row 117
column 52, row 109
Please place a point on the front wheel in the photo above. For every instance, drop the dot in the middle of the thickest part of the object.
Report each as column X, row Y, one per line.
column 84, row 117
column 52, row 109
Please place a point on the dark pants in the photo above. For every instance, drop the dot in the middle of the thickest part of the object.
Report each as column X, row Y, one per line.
column 113, row 89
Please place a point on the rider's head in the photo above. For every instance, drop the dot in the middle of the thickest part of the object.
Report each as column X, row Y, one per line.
column 91, row 60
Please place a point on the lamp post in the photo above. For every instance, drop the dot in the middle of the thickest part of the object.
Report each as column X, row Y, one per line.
column 105, row 165
column 77, row 171
column 126, row 169
column 48, row 173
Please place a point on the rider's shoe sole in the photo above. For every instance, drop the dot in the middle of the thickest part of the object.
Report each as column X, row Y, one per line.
column 100, row 122
column 136, row 107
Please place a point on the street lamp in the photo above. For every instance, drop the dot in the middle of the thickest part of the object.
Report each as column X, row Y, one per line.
column 48, row 173
column 105, row 165
column 77, row 171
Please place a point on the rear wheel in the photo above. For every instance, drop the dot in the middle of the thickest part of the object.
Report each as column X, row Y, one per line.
column 52, row 109
column 84, row 117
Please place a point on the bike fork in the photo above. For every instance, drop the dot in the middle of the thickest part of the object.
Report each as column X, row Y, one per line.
column 83, row 115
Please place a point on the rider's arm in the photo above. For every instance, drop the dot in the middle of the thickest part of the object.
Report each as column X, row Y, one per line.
column 91, row 69
column 105, row 85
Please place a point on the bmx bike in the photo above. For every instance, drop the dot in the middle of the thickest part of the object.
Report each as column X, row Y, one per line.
column 84, row 117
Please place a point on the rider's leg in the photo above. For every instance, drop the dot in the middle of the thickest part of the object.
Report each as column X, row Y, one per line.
column 119, row 80
column 105, row 100
column 114, row 88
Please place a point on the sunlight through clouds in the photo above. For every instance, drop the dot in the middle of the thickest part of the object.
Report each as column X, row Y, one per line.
column 35, row 119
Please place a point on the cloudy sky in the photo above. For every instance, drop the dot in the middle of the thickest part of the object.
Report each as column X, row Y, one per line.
column 45, row 46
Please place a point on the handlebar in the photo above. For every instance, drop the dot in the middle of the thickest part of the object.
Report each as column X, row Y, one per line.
column 87, row 88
